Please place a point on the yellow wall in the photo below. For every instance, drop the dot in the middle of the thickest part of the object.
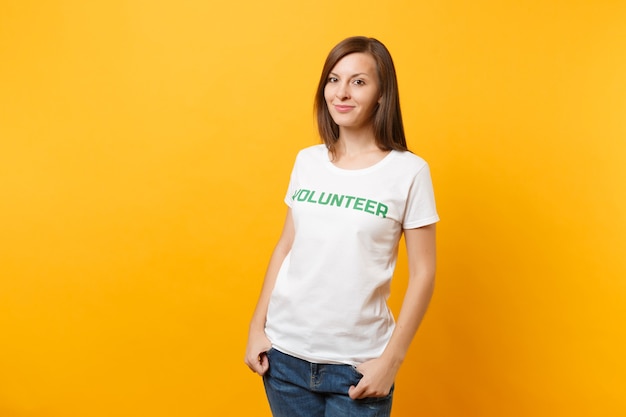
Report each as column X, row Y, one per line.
column 145, row 147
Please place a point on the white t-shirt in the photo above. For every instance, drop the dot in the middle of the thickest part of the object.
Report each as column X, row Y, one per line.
column 329, row 303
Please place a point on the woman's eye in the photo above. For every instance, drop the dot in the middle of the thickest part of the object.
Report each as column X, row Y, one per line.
column 332, row 79
column 359, row 82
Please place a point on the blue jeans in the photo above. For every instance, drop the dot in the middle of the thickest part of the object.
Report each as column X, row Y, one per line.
column 297, row 388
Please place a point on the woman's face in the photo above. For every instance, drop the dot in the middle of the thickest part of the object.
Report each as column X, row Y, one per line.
column 352, row 91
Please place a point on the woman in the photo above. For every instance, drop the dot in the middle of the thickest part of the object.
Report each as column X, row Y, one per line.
column 322, row 335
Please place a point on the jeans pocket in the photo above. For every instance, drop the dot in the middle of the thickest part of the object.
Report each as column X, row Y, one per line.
column 356, row 371
column 356, row 375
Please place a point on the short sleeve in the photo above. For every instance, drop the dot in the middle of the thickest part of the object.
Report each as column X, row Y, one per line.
column 420, row 209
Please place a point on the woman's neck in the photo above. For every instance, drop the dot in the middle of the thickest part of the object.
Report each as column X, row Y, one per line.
column 355, row 142
column 356, row 150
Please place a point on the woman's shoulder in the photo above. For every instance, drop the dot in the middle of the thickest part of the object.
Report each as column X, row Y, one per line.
column 319, row 149
column 315, row 152
column 410, row 160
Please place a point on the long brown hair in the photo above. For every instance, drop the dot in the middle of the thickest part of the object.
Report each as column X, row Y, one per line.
column 387, row 118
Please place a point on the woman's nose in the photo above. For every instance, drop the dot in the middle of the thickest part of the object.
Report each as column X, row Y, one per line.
column 342, row 91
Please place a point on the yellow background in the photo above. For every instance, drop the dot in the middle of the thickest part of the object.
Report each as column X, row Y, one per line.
column 145, row 149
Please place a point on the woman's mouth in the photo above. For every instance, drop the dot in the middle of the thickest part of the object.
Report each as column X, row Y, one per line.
column 343, row 109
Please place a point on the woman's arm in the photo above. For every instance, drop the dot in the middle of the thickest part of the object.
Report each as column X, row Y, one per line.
column 258, row 343
column 379, row 374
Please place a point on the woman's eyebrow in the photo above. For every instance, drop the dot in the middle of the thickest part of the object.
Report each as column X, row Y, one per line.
column 353, row 75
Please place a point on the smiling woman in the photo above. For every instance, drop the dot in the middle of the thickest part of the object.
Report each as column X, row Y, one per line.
column 322, row 335
column 361, row 76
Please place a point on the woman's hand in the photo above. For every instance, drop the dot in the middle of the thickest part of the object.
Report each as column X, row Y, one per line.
column 378, row 377
column 258, row 344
